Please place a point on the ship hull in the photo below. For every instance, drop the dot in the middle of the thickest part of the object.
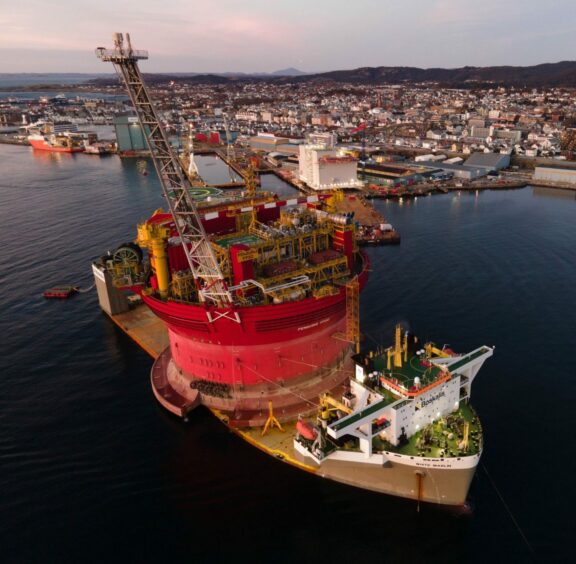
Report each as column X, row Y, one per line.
column 444, row 486
column 45, row 146
column 441, row 481
column 285, row 353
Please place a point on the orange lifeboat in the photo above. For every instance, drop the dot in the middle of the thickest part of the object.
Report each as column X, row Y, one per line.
column 306, row 430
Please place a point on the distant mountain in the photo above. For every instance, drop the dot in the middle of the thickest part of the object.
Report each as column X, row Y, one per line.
column 153, row 78
column 291, row 71
column 204, row 78
column 549, row 74
column 284, row 72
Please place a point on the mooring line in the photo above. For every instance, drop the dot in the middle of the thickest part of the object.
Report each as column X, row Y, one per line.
column 508, row 510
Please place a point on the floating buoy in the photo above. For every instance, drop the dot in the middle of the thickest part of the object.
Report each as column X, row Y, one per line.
column 142, row 167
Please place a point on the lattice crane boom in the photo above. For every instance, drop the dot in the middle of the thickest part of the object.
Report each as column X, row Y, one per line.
column 212, row 286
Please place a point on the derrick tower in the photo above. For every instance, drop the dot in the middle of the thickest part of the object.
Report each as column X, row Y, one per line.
column 210, row 282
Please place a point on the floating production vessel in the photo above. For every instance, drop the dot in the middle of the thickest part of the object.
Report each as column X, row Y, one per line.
column 253, row 292
column 260, row 302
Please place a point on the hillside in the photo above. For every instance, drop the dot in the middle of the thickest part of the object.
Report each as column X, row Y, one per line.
column 548, row 74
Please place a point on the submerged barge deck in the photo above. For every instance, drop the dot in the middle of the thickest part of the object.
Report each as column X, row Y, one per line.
column 409, row 471
column 150, row 333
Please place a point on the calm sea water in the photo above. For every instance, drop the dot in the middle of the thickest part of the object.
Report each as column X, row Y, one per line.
column 214, row 171
column 37, row 94
column 93, row 470
column 11, row 80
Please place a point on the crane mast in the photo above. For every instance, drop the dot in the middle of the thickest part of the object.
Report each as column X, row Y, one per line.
column 210, row 281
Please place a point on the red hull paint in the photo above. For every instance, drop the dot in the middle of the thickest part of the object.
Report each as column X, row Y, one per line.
column 272, row 342
column 258, row 363
column 45, row 146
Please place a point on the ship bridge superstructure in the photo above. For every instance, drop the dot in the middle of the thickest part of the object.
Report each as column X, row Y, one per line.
column 401, row 400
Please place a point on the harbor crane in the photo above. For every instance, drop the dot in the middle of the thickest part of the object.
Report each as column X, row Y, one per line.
column 208, row 277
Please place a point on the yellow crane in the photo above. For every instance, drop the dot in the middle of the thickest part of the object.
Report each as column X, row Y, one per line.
column 329, row 404
column 400, row 350
column 353, row 313
column 431, row 349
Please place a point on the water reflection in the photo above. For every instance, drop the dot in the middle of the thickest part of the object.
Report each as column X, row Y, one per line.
column 272, row 183
column 49, row 157
column 563, row 193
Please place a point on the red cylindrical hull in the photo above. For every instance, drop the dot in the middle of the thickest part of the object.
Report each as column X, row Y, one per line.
column 270, row 343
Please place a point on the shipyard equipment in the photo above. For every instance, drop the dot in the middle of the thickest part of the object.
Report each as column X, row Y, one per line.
column 192, row 166
column 230, row 152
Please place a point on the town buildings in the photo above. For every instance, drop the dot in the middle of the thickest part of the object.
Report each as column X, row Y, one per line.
column 435, row 125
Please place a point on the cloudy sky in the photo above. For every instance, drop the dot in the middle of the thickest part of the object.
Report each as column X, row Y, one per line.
column 264, row 35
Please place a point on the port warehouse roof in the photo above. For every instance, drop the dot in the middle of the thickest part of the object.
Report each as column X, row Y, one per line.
column 568, row 166
column 459, row 170
column 282, row 145
column 493, row 161
column 479, row 164
column 396, row 171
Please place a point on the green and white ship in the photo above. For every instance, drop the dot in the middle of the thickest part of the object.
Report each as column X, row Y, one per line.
column 404, row 426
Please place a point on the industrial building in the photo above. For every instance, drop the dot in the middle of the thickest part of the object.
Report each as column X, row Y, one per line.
column 476, row 166
column 489, row 161
column 323, row 168
column 555, row 173
column 391, row 174
column 268, row 142
column 129, row 136
column 462, row 172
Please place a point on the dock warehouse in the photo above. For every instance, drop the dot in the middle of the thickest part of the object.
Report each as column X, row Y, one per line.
column 555, row 173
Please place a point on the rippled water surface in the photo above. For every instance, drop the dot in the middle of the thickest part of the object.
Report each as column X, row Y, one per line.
column 92, row 469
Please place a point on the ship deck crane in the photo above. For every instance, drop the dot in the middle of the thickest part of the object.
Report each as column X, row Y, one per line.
column 210, row 281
